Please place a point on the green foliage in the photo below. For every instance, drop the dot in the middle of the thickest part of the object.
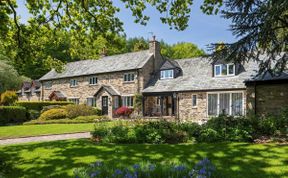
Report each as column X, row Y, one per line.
column 33, row 114
column 12, row 114
column 10, row 79
column 80, row 119
column 138, row 102
column 74, row 111
column 38, row 105
column 8, row 98
column 54, row 114
column 150, row 132
column 185, row 50
column 209, row 135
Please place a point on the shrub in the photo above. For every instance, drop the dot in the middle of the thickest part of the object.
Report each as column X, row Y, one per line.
column 53, row 114
column 46, row 108
column 8, row 98
column 149, row 132
column 74, row 111
column 33, row 114
column 80, row 119
column 203, row 168
column 98, row 111
column 12, row 114
column 38, row 105
column 209, row 135
column 124, row 111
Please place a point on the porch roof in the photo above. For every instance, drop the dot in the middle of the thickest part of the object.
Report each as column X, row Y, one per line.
column 108, row 89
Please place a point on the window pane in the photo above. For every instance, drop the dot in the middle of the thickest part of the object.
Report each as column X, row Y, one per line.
column 231, row 69
column 194, row 100
column 89, row 101
column 224, row 103
column 132, row 77
column 218, row 70
column 212, row 104
column 125, row 77
column 224, row 69
column 237, row 104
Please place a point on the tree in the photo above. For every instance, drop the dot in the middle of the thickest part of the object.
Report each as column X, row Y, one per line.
column 186, row 50
column 9, row 78
column 259, row 25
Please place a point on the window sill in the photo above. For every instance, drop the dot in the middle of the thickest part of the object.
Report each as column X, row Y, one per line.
column 127, row 82
column 224, row 76
column 194, row 107
column 73, row 86
column 92, row 85
column 47, row 88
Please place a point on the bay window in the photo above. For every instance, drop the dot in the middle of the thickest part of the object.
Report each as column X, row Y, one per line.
column 225, row 103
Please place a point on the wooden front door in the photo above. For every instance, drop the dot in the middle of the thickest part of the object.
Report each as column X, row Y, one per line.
column 104, row 105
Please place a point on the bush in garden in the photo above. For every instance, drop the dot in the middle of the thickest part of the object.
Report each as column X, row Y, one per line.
column 12, row 114
column 150, row 132
column 46, row 108
column 209, row 135
column 54, row 114
column 8, row 98
column 33, row 114
column 74, row 111
column 38, row 105
column 124, row 111
column 203, row 168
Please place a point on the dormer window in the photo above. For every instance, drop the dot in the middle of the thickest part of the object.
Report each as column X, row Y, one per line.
column 166, row 74
column 224, row 70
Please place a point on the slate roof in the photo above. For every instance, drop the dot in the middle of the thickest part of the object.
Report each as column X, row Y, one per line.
column 121, row 62
column 269, row 77
column 26, row 85
column 169, row 64
column 197, row 75
column 109, row 89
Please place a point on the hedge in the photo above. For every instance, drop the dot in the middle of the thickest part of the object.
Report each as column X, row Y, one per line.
column 38, row 105
column 12, row 114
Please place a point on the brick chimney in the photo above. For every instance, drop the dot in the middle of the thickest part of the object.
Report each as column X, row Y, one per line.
column 154, row 47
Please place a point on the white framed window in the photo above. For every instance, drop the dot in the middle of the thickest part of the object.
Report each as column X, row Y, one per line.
column 73, row 83
column 194, row 100
column 48, row 85
column 91, row 101
column 166, row 74
column 74, row 100
column 93, row 80
column 116, row 101
column 229, row 103
column 128, row 77
column 127, row 101
column 224, row 70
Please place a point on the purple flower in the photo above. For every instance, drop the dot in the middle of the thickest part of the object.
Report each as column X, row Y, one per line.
column 94, row 174
column 179, row 168
column 152, row 167
column 118, row 172
column 136, row 166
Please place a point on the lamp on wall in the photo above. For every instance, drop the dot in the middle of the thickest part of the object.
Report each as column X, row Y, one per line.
column 174, row 95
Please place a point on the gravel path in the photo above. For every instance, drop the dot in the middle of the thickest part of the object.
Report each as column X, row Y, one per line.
column 45, row 138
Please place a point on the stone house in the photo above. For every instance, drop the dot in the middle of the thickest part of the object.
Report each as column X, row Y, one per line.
column 30, row 91
column 188, row 89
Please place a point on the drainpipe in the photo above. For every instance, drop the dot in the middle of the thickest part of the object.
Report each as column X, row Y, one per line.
column 255, row 100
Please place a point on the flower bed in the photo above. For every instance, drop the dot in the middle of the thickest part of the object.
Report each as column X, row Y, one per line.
column 203, row 168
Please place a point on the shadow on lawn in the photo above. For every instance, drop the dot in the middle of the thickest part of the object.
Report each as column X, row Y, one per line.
column 59, row 158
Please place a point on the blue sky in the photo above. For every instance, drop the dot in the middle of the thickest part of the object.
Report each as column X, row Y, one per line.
column 202, row 30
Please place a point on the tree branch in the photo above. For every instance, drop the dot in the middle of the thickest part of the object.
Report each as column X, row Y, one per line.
column 16, row 23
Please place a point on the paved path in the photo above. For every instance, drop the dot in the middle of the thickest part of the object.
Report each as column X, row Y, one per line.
column 45, row 138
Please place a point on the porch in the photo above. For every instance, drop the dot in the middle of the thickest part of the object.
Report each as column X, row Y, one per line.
column 159, row 105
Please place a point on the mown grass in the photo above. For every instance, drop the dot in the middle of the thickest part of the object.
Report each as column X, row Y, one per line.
column 36, row 130
column 59, row 158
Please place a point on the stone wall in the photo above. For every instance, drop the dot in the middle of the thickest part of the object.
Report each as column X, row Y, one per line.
column 84, row 90
column 189, row 113
column 270, row 98
column 29, row 97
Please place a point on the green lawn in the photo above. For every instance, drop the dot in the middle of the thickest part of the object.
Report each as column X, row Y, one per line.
column 34, row 130
column 59, row 158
